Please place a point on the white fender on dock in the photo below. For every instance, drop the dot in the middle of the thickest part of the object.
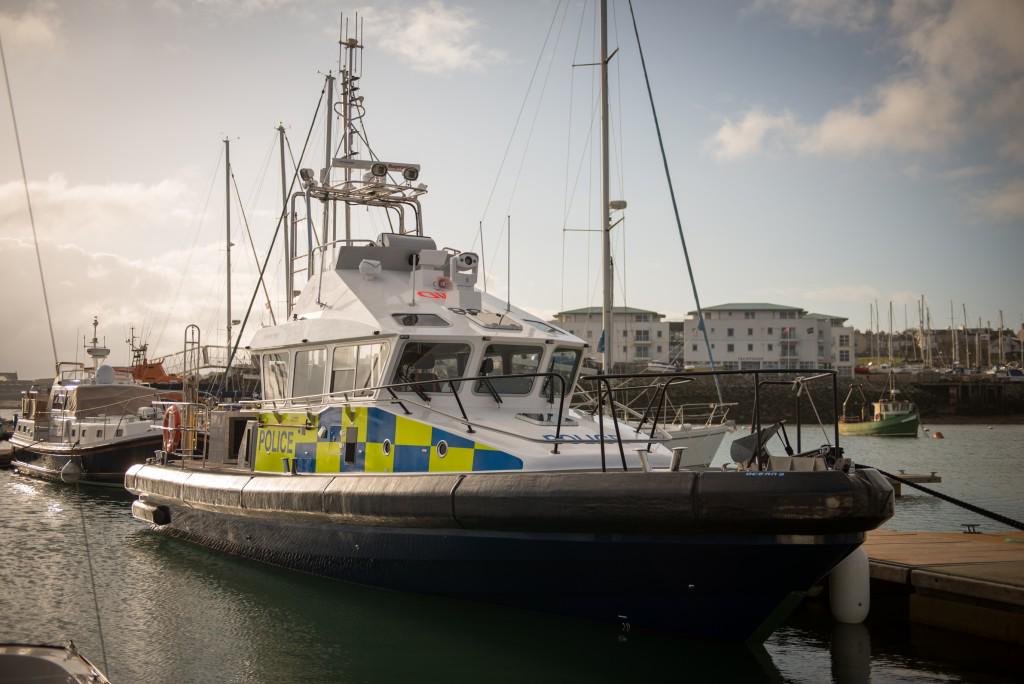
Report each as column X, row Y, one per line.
column 850, row 588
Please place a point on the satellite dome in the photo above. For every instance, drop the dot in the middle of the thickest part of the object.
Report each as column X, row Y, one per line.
column 105, row 375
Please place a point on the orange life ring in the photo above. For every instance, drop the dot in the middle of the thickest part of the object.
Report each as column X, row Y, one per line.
column 172, row 429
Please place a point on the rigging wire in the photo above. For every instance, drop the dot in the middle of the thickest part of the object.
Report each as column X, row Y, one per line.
column 529, row 133
column 252, row 246
column 675, row 205
column 273, row 239
column 522, row 108
column 53, row 342
column 200, row 219
column 28, row 201
column 568, row 146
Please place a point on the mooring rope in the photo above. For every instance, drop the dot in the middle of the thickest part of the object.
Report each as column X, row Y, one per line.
column 1009, row 522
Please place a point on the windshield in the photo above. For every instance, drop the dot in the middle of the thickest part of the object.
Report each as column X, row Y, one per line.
column 564, row 362
column 430, row 363
column 509, row 359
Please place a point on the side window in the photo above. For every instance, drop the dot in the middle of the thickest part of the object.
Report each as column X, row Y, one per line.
column 430, row 363
column 310, row 368
column 510, row 359
column 275, row 375
column 370, row 365
column 343, row 372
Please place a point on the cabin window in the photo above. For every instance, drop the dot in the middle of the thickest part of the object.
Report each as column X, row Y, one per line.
column 510, row 359
column 343, row 372
column 370, row 365
column 119, row 432
column 427, row 362
column 310, row 369
column 564, row 362
column 358, row 367
column 275, row 375
column 99, row 433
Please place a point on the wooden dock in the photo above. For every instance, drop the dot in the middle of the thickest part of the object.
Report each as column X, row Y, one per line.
column 920, row 478
column 971, row 583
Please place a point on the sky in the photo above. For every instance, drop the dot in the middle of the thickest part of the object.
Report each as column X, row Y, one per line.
column 824, row 153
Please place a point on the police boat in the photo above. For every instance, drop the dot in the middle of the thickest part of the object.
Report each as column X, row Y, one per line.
column 416, row 433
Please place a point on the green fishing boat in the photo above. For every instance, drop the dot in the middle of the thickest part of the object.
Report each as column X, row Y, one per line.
column 890, row 416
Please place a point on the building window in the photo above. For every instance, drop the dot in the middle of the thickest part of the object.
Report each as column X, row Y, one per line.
column 810, row 331
column 750, row 332
column 625, row 349
column 694, row 347
column 806, row 365
column 750, row 347
column 659, row 348
column 771, row 331
column 844, row 355
column 729, row 332
column 659, row 333
column 731, row 347
column 844, row 340
column 730, row 365
column 748, row 314
column 643, row 353
column 771, row 346
column 642, row 335
column 625, row 333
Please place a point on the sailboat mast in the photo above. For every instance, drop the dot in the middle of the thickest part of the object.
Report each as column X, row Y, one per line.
column 952, row 335
column 606, row 242
column 967, row 339
column 1001, row 358
column 227, row 229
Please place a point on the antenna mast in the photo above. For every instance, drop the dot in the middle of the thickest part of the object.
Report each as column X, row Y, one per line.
column 349, row 71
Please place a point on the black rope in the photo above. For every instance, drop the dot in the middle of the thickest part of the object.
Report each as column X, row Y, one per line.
column 1009, row 522
column 273, row 241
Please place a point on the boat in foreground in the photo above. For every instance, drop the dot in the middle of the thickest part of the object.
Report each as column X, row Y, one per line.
column 415, row 433
column 21, row 663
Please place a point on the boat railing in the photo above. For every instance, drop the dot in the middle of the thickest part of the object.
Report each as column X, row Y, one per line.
column 608, row 407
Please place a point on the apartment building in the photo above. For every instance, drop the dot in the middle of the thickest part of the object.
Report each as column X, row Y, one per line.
column 639, row 335
column 760, row 336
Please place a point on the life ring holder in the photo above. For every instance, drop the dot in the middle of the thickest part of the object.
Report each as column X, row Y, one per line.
column 172, row 429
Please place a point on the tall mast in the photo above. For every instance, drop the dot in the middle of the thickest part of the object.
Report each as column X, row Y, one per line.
column 952, row 335
column 967, row 338
column 227, row 229
column 1001, row 359
column 287, row 230
column 606, row 241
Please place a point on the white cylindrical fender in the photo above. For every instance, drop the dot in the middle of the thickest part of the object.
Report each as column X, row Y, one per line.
column 71, row 472
column 850, row 588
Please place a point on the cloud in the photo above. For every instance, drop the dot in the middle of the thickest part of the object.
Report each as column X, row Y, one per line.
column 963, row 65
column 35, row 27
column 1005, row 203
column 173, row 276
column 748, row 135
column 850, row 15
column 432, row 37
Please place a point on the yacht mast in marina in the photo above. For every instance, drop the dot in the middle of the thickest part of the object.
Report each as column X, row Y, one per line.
column 607, row 311
column 227, row 229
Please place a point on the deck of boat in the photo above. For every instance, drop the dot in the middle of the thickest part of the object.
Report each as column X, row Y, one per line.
column 970, row 583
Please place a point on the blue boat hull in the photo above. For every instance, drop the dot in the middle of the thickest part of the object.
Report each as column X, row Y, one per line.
column 724, row 586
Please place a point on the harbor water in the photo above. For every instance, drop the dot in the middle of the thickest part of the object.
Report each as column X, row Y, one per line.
column 175, row 612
